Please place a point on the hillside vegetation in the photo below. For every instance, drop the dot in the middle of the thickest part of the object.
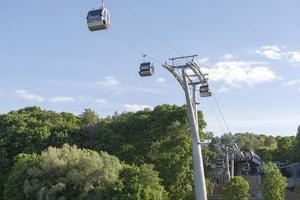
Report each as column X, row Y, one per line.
column 142, row 155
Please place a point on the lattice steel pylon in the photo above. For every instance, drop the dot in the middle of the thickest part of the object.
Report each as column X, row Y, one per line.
column 187, row 72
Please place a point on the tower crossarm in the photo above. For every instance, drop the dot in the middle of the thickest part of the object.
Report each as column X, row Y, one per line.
column 197, row 71
column 170, row 68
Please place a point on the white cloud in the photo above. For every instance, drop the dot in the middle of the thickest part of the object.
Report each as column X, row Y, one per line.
column 102, row 103
column 292, row 83
column 61, row 99
column 293, row 56
column 108, row 81
column 203, row 60
column 272, row 52
column 24, row 94
column 135, row 108
column 161, row 80
column 227, row 56
column 235, row 73
column 279, row 53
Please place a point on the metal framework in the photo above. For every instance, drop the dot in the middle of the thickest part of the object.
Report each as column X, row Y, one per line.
column 187, row 72
column 232, row 153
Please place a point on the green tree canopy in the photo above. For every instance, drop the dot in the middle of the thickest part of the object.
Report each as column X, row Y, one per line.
column 132, row 137
column 265, row 153
column 66, row 173
column 31, row 130
column 236, row 189
column 296, row 147
column 88, row 124
column 249, row 140
column 72, row 173
column 14, row 187
column 274, row 183
column 140, row 183
column 284, row 152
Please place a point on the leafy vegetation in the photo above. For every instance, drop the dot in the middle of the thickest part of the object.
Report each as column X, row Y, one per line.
column 269, row 148
column 72, row 173
column 139, row 183
column 236, row 189
column 274, row 183
column 148, row 154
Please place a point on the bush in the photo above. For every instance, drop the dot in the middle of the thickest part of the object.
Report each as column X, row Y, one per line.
column 79, row 174
column 274, row 183
column 236, row 189
column 139, row 183
column 64, row 173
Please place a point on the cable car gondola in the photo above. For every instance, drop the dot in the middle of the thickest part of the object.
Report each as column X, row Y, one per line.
column 205, row 91
column 146, row 68
column 220, row 163
column 98, row 19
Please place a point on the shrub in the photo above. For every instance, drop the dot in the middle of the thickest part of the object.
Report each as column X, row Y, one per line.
column 274, row 183
column 236, row 189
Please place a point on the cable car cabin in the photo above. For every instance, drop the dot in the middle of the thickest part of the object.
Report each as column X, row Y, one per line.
column 205, row 91
column 98, row 19
column 220, row 163
column 146, row 69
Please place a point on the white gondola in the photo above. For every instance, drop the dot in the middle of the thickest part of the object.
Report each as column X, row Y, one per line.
column 98, row 19
column 205, row 91
column 146, row 69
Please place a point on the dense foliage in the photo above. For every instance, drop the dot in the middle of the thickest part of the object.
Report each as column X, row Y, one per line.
column 285, row 149
column 153, row 143
column 160, row 137
column 274, row 183
column 236, row 189
column 32, row 130
column 72, row 173
column 139, row 183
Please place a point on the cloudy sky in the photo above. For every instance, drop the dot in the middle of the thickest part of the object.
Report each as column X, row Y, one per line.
column 251, row 50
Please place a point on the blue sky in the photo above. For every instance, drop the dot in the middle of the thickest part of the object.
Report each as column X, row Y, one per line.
column 250, row 49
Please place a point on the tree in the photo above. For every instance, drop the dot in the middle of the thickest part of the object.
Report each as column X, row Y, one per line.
column 67, row 173
column 160, row 137
column 284, row 152
column 139, row 183
column 274, row 183
column 88, row 123
column 271, row 142
column 72, row 173
column 31, row 130
column 297, row 146
column 14, row 187
column 172, row 157
column 249, row 140
column 236, row 189
column 265, row 153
